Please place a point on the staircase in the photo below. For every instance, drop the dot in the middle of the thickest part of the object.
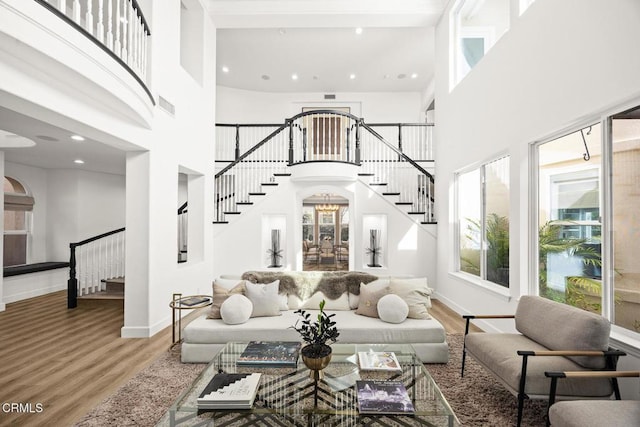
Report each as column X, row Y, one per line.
column 113, row 292
column 327, row 136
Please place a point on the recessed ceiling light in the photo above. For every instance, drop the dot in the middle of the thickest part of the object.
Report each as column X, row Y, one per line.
column 386, row 76
column 352, row 76
column 294, row 76
column 282, row 31
column 401, row 76
column 77, row 138
column 359, row 30
column 315, row 77
column 79, row 161
column 265, row 77
column 225, row 69
column 414, row 75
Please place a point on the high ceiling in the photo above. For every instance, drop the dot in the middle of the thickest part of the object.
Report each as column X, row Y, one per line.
column 315, row 39
column 329, row 45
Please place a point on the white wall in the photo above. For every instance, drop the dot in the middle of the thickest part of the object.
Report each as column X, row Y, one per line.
column 107, row 106
column 532, row 84
column 244, row 106
column 410, row 248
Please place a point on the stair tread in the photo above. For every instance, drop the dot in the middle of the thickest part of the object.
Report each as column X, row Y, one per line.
column 390, row 194
column 404, row 203
column 257, row 194
column 221, row 222
column 416, row 213
column 378, row 183
column 428, row 222
column 281, row 174
column 232, row 213
column 244, row 203
column 102, row 295
column 272, row 184
column 366, row 174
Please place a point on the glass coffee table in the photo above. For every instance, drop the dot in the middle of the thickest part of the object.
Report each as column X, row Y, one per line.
column 286, row 395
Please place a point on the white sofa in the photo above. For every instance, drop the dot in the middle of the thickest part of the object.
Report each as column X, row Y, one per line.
column 204, row 337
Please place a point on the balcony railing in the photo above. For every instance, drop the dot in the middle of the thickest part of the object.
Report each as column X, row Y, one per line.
column 117, row 26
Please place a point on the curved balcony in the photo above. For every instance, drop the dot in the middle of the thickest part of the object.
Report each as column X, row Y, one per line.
column 95, row 49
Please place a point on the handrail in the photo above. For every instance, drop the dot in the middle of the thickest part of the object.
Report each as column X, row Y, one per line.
column 325, row 136
column 72, row 283
column 183, row 208
column 398, row 152
column 251, row 150
column 98, row 237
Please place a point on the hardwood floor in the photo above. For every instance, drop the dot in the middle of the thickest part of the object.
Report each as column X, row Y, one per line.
column 68, row 361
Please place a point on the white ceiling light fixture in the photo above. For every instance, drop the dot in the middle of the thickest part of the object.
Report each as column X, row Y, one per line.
column 79, row 161
column 77, row 138
column 414, row 75
column 359, row 30
column 294, row 76
column 225, row 69
column 352, row 76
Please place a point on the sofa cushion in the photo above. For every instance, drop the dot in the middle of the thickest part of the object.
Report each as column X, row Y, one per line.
column 265, row 299
column 585, row 413
column 236, row 309
column 369, row 298
column 392, row 309
column 416, row 294
column 340, row 303
column 353, row 329
column 220, row 294
column 498, row 353
column 573, row 328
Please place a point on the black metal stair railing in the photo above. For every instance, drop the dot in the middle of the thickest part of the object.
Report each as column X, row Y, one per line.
column 91, row 261
column 324, row 136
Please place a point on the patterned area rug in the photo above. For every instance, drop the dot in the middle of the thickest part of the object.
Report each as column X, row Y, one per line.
column 477, row 399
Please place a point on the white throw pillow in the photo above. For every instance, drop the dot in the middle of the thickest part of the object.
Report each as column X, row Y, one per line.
column 376, row 285
column 236, row 309
column 416, row 294
column 313, row 303
column 392, row 309
column 264, row 297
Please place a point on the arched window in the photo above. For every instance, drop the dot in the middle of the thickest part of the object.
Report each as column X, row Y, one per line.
column 17, row 207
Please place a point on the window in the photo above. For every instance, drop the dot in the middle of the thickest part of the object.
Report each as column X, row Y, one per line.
column 308, row 223
column 475, row 27
column 569, row 215
column 17, row 209
column 483, row 221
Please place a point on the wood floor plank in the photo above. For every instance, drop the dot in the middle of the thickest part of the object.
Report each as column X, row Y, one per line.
column 70, row 360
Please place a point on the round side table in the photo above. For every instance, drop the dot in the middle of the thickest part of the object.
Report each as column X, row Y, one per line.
column 190, row 302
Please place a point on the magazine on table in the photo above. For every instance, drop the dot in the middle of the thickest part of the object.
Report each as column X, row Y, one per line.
column 230, row 391
column 378, row 361
column 270, row 353
column 383, row 397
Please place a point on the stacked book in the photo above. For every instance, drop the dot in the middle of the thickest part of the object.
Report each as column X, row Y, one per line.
column 270, row 353
column 383, row 397
column 378, row 361
column 230, row 391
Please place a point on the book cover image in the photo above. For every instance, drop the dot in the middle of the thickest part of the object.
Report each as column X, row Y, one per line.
column 270, row 353
column 230, row 391
column 378, row 361
column 383, row 397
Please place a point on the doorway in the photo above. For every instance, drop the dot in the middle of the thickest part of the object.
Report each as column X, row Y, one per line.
column 325, row 233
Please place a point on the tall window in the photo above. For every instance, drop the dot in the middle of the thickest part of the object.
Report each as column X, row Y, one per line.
column 308, row 223
column 17, row 208
column 625, row 219
column 569, row 227
column 483, row 221
column 475, row 26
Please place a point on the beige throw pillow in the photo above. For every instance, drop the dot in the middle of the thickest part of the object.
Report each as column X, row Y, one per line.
column 368, row 305
column 220, row 295
column 415, row 293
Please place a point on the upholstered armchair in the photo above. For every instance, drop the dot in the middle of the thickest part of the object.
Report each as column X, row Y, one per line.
column 592, row 413
column 342, row 252
column 310, row 252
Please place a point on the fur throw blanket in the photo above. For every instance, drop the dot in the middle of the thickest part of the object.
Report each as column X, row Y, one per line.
column 303, row 284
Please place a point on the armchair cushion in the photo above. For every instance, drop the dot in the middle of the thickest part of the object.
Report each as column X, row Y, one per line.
column 498, row 354
column 585, row 413
column 562, row 327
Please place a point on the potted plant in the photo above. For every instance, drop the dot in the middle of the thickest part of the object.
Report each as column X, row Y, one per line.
column 317, row 335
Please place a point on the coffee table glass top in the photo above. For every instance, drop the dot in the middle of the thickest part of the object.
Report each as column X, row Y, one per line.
column 286, row 395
